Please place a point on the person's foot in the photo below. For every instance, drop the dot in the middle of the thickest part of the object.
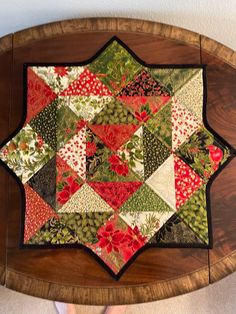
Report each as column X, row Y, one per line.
column 65, row 308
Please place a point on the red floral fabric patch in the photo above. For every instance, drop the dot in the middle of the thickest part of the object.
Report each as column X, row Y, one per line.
column 39, row 95
column 87, row 85
column 114, row 136
column 186, row 181
column 67, row 180
column 115, row 193
column 117, row 241
column 144, row 107
column 37, row 212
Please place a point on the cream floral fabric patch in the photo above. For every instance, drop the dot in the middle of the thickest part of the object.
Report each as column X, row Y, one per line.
column 58, row 78
column 85, row 200
column 74, row 153
column 162, row 181
column 86, row 107
column 27, row 154
column 183, row 124
column 190, row 95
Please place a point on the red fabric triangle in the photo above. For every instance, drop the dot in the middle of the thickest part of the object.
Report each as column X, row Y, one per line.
column 115, row 193
column 186, row 181
column 69, row 178
column 140, row 104
column 87, row 84
column 165, row 99
column 114, row 135
column 37, row 212
column 39, row 95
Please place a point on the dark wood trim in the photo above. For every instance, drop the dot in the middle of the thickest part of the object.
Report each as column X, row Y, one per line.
column 223, row 268
column 122, row 293
column 5, row 43
column 104, row 296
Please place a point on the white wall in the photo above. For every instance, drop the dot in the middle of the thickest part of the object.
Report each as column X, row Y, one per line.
column 214, row 18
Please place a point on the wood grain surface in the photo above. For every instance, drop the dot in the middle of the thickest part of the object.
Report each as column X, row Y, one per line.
column 5, row 105
column 72, row 275
column 221, row 115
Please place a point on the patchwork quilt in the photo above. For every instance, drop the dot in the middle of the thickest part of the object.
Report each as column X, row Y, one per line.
column 114, row 156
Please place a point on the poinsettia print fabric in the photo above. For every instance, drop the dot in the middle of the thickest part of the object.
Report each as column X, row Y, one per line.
column 67, row 182
column 114, row 156
column 58, row 78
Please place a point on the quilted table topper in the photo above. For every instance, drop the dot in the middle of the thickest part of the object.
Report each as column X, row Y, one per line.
column 115, row 156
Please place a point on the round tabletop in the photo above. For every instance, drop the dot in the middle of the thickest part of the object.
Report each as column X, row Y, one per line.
column 73, row 275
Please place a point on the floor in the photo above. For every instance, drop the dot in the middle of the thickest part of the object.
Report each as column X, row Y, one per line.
column 215, row 299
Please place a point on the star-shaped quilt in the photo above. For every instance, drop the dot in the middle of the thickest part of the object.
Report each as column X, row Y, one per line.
column 115, row 155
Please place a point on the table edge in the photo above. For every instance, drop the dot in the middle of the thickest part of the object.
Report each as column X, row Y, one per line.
column 2, row 274
column 128, row 295
column 110, row 295
column 120, row 295
column 223, row 267
column 107, row 24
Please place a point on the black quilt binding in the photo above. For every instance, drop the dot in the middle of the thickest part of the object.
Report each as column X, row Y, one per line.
column 117, row 276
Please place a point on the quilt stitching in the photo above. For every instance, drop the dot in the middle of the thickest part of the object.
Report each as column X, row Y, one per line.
column 114, row 156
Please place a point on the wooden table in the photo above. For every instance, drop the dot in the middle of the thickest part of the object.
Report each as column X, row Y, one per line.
column 72, row 275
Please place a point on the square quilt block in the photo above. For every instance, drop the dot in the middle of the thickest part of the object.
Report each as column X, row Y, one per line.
column 115, row 155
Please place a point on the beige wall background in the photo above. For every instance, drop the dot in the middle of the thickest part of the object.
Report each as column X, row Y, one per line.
column 214, row 18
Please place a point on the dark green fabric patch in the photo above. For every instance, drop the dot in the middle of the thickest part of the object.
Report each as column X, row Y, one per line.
column 161, row 126
column 54, row 232
column 118, row 66
column 203, row 153
column 194, row 213
column 154, row 153
column 71, row 228
column 172, row 78
column 44, row 182
column 175, row 231
column 145, row 200
column 67, row 126
column 114, row 113
column 85, row 225
column 96, row 157
column 45, row 124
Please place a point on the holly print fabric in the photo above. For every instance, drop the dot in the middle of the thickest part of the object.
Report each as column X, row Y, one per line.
column 114, row 156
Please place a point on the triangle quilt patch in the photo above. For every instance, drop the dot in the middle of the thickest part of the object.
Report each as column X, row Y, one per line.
column 87, row 84
column 187, row 181
column 184, row 124
column 85, row 200
column 162, row 181
column 115, row 193
column 144, row 85
column 39, row 95
column 37, row 212
column 154, row 153
column 114, row 135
